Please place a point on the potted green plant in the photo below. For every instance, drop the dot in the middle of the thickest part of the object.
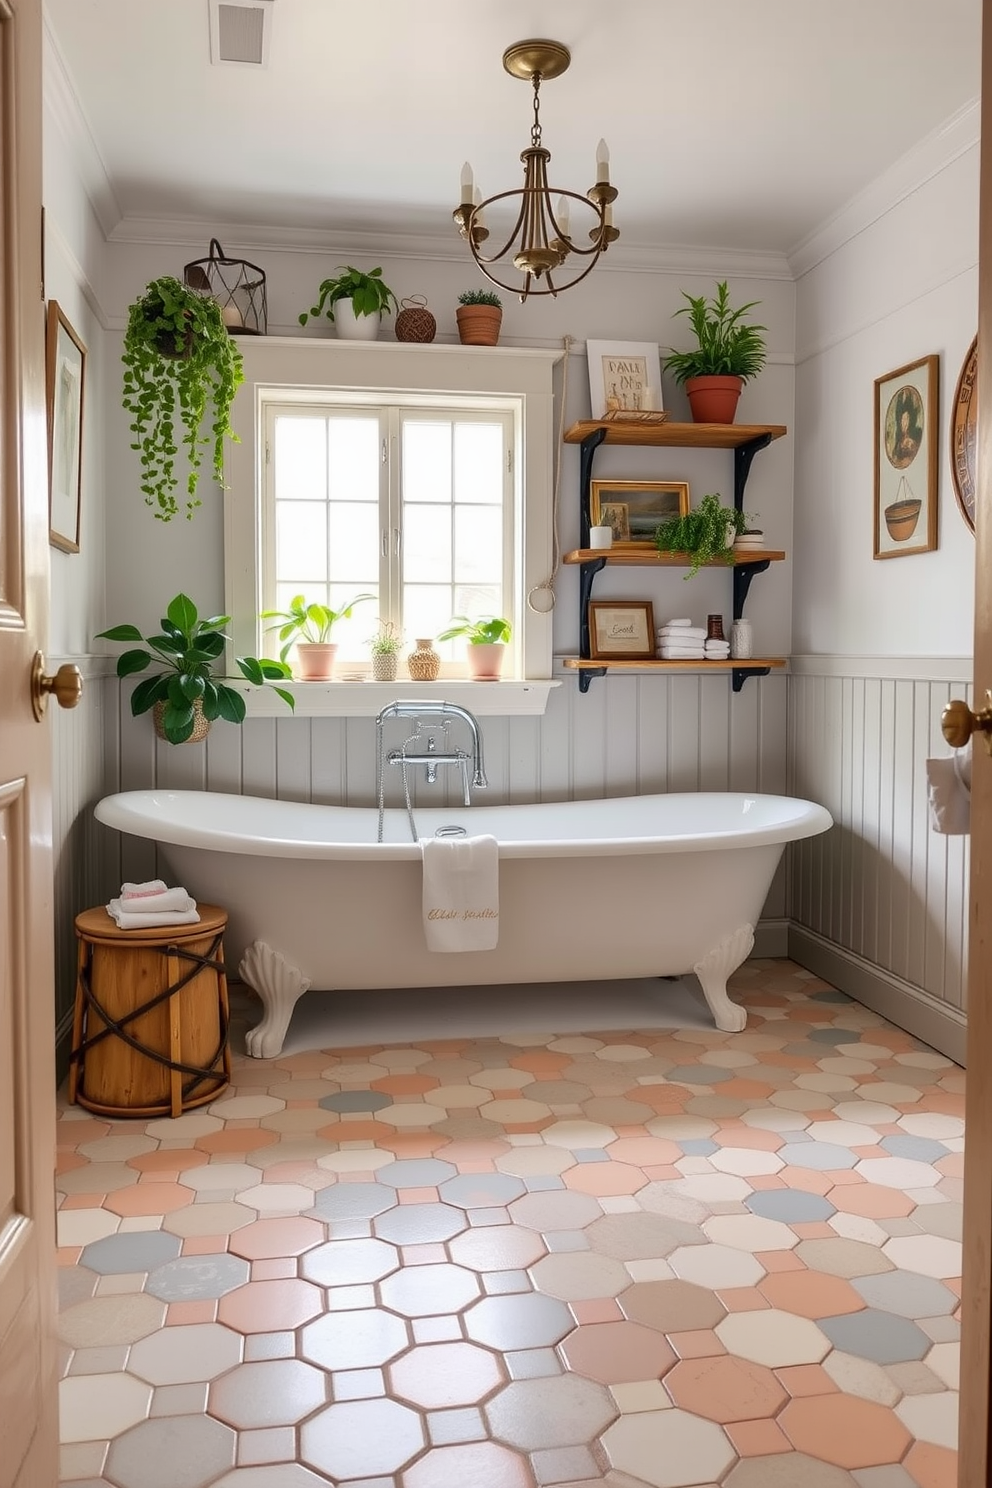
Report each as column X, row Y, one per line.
column 487, row 640
column 728, row 353
column 184, row 691
column 385, row 646
column 308, row 626
column 706, row 533
column 178, row 358
column 354, row 302
column 479, row 316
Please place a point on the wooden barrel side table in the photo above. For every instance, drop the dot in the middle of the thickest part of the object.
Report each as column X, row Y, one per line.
column 150, row 1022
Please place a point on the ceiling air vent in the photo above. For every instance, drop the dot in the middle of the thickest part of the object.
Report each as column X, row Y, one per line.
column 239, row 32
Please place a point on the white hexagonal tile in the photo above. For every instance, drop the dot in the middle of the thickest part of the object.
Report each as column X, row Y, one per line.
column 246, row 1107
column 286, row 1198
column 95, row 1407
column 931, row 1418
column 228, row 1177
column 861, row 1377
column 716, row 1266
column 929, row 1254
column 186, row 1353
column 776, row 1339
column 750, row 1232
column 83, row 1226
column 714, row 1188
column 745, row 1162
column 843, row 1133
column 932, row 1124
column 903, row 1173
column 944, row 1359
column 867, row 1111
column 668, row 1448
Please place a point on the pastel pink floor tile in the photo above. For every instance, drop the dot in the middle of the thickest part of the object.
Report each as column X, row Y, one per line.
column 274, row 1270
column 604, row 1179
column 697, row 1343
column 149, row 1198
column 757, row 1438
column 182, row 1314
column 742, row 1299
column 205, row 1244
column 596, row 1310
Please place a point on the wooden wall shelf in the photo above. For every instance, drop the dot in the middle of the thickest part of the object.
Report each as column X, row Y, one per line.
column 685, row 436
column 648, row 558
column 753, row 664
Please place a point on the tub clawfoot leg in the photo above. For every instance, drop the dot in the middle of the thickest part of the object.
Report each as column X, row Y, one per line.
column 280, row 985
column 713, row 971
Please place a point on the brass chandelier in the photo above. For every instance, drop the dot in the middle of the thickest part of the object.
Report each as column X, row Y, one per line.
column 541, row 241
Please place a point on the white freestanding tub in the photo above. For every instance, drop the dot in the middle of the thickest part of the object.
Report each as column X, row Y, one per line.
column 631, row 887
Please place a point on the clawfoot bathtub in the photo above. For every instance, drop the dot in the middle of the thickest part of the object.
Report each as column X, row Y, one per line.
column 635, row 886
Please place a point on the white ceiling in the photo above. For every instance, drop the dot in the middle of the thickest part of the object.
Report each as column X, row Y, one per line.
column 737, row 124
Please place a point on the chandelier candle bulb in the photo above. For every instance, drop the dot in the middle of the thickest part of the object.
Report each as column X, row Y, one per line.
column 602, row 162
column 562, row 214
column 467, row 183
column 480, row 216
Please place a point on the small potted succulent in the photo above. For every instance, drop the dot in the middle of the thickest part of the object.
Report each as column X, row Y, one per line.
column 178, row 358
column 487, row 640
column 308, row 626
column 728, row 353
column 706, row 534
column 184, row 692
column 479, row 316
column 385, row 646
column 354, row 302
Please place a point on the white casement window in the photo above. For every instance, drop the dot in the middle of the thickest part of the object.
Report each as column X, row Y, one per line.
column 419, row 474
column 416, row 505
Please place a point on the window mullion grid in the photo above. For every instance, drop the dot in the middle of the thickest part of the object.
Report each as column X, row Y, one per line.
column 391, row 509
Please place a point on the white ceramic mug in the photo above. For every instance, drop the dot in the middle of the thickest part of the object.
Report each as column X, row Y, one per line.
column 600, row 537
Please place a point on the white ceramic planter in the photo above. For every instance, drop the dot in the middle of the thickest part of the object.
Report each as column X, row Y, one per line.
column 485, row 662
column 352, row 327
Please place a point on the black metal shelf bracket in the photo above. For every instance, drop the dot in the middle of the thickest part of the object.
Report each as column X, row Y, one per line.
column 586, row 675
column 587, row 573
column 587, row 450
column 741, row 674
column 743, row 456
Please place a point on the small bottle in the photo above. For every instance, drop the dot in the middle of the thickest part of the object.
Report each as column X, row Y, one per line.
column 741, row 640
column 714, row 628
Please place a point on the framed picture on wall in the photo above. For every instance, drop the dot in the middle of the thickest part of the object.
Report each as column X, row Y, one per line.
column 65, row 370
column 624, row 377
column 635, row 509
column 906, row 439
column 621, row 629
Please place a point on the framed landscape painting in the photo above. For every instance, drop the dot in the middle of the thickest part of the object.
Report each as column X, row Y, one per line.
column 635, row 509
column 906, row 439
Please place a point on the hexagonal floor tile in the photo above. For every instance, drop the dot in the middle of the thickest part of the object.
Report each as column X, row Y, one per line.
column 171, row 1452
column 369, row 1337
column 497, row 1248
column 416, row 1224
column 130, row 1252
column 668, row 1449
column 198, row 1277
column 428, row 1291
column 273, row 1392
column 906, row 1293
column 523, row 1321
column 672, row 1306
column 353, row 1201
column 269, row 1306
column 560, row 1411
column 362, row 1439
column 580, row 1275
column 95, row 1407
column 349, row 1262
column 637, row 1236
column 483, row 1463
column 882, row 1337
column 482, row 1190
column 848, row 1432
column 773, row 1338
column 177, row 1355
column 726, row 1389
column 439, row 1375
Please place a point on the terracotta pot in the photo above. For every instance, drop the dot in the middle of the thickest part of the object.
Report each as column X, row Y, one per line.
column 201, row 725
column 314, row 661
column 713, row 400
column 478, row 325
column 485, row 661
column 901, row 519
column 352, row 327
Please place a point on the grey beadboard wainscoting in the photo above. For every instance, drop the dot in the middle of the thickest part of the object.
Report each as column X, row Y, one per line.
column 879, row 905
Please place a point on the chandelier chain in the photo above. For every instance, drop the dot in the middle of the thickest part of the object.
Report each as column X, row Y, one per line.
column 535, row 133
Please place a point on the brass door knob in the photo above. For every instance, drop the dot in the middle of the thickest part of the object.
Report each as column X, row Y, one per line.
column 66, row 686
column 958, row 722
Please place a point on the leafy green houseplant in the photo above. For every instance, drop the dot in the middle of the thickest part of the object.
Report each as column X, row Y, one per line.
column 184, row 690
column 727, row 347
column 367, row 296
column 308, row 626
column 706, row 533
column 178, row 358
column 479, row 316
column 487, row 640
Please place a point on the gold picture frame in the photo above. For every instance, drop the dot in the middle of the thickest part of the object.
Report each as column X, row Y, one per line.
column 635, row 508
column 906, row 442
column 621, row 630
column 65, row 369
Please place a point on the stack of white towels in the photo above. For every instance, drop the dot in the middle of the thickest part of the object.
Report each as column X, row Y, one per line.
column 680, row 640
column 142, row 906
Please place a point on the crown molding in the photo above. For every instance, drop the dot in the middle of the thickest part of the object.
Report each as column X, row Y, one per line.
column 939, row 149
column 62, row 102
column 443, row 248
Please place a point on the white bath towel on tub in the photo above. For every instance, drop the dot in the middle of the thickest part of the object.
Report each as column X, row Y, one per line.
column 461, row 893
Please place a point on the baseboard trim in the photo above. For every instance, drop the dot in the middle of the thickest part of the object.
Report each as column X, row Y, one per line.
column 943, row 1028
column 771, row 939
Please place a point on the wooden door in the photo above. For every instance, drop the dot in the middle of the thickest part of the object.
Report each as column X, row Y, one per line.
column 975, row 1457
column 28, row 1401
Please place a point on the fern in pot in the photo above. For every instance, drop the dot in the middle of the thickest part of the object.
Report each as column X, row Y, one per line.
column 727, row 354
column 385, row 647
column 706, row 534
column 179, row 360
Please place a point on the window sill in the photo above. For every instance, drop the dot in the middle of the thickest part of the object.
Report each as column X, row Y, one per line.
column 365, row 699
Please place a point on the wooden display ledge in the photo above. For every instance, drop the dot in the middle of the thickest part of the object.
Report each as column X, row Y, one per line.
column 753, row 664
column 650, row 557
column 688, row 436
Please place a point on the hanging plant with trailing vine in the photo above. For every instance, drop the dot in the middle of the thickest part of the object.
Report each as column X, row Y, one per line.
column 178, row 358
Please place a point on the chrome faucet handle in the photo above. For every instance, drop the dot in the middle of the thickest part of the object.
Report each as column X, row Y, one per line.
column 466, row 792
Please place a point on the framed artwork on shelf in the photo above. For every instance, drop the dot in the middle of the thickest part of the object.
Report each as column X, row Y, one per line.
column 624, row 376
column 65, row 370
column 634, row 509
column 964, row 435
column 621, row 630
column 906, row 442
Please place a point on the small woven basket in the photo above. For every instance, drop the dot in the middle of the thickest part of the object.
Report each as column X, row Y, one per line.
column 415, row 322
column 201, row 725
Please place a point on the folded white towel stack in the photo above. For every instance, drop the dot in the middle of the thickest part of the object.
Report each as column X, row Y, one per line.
column 680, row 623
column 144, row 906
column 681, row 653
column 682, row 634
column 461, row 893
column 717, row 650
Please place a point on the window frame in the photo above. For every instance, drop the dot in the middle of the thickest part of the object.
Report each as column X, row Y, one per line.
column 376, row 372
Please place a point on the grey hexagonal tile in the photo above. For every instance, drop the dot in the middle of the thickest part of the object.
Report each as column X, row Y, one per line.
column 172, row 1452
column 131, row 1252
column 353, row 1201
column 524, row 1320
column 917, row 1149
column 196, row 1278
column 416, row 1172
column 482, row 1190
column 907, row 1294
column 273, row 1392
column 363, row 1339
column 880, row 1336
column 418, row 1224
column 349, row 1262
column 356, row 1100
column 362, row 1439
column 790, row 1205
column 429, row 1291
column 562, row 1411
column 824, row 1157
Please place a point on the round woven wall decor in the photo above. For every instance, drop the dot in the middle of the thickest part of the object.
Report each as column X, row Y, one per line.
column 415, row 322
